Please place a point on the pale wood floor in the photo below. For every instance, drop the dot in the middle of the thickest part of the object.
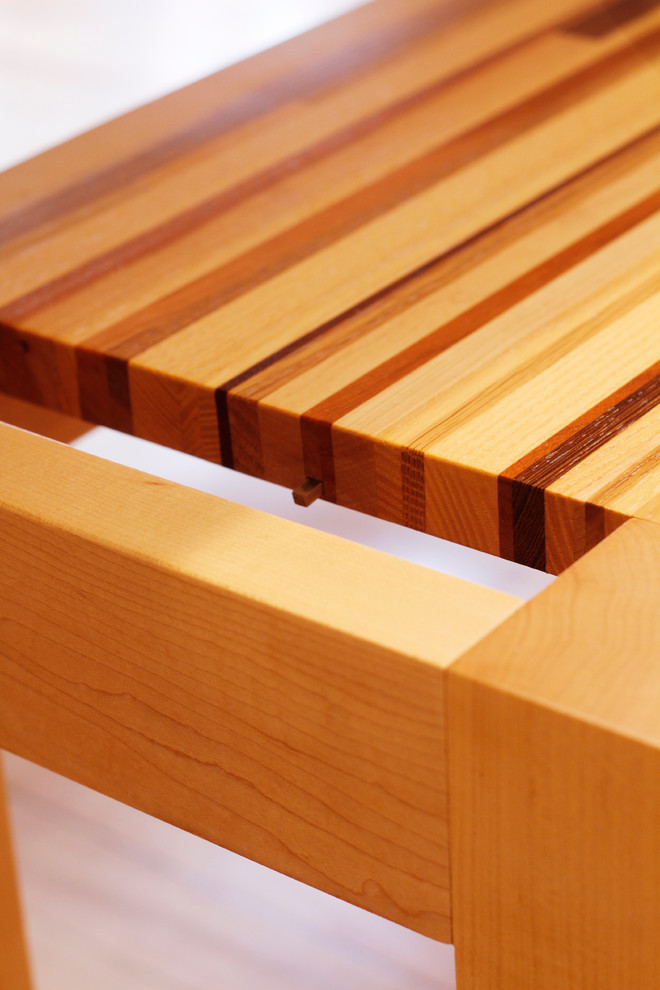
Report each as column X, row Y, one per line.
column 115, row 899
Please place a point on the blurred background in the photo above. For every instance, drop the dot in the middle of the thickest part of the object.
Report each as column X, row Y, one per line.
column 67, row 65
column 114, row 898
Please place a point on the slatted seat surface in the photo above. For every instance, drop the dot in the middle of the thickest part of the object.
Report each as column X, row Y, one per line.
column 413, row 254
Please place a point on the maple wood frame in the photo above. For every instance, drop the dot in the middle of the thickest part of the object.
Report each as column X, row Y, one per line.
column 553, row 815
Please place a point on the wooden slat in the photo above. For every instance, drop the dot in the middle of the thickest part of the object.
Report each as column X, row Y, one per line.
column 119, row 899
column 46, row 422
column 14, row 972
column 220, row 217
column 349, row 133
column 151, row 136
column 266, row 686
column 362, row 259
column 554, row 752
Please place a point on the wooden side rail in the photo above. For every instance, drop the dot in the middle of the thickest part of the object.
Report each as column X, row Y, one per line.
column 14, row 972
column 38, row 419
column 554, row 743
column 271, row 688
column 325, row 709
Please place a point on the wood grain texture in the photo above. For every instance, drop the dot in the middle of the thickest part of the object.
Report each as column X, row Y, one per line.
column 360, row 258
column 115, row 898
column 14, row 971
column 36, row 419
column 266, row 686
column 554, row 750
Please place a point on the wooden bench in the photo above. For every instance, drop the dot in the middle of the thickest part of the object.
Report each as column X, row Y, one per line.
column 409, row 263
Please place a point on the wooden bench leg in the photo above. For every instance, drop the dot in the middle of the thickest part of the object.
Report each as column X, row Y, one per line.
column 554, row 771
column 14, row 971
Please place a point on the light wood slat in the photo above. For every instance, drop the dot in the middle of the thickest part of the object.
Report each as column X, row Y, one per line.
column 178, row 127
column 369, row 264
column 422, row 227
column 467, row 280
column 269, row 687
column 651, row 508
column 554, row 753
column 352, row 133
column 14, row 972
column 219, row 217
column 232, row 90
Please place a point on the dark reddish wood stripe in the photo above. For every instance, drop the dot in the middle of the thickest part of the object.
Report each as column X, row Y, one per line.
column 341, row 403
column 317, row 454
column 17, row 375
column 100, row 389
column 31, row 368
column 105, row 394
column 594, row 525
column 569, row 446
column 224, row 429
column 202, row 213
column 104, row 390
column 522, row 486
column 407, row 281
column 370, row 384
column 179, row 226
column 395, row 298
column 37, row 369
column 442, row 269
column 204, row 295
column 244, row 420
column 526, row 542
column 327, row 71
column 606, row 19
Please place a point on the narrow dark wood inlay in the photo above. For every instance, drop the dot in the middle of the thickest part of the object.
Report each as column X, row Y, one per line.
column 327, row 71
column 189, row 303
column 608, row 18
column 522, row 486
